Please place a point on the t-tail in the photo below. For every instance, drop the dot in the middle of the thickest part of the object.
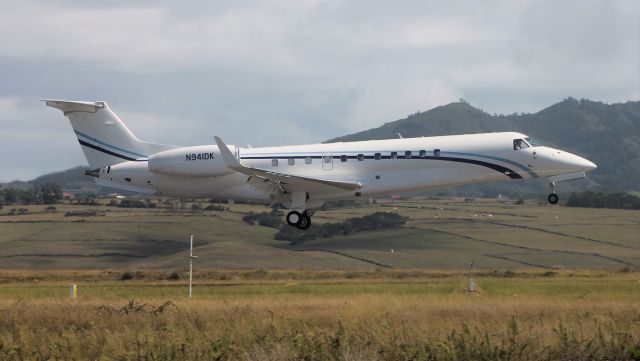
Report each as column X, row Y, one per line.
column 104, row 138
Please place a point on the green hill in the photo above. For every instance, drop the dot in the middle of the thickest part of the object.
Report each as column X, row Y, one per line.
column 608, row 134
column 73, row 178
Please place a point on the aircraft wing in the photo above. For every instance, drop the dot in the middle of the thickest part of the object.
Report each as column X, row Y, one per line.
column 286, row 182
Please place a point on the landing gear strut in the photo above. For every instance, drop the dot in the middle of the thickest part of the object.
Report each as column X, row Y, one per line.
column 299, row 220
column 553, row 197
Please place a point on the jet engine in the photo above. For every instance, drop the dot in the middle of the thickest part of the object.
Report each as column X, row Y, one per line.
column 197, row 161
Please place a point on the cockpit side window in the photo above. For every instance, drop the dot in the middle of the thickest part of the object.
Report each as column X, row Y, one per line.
column 519, row 144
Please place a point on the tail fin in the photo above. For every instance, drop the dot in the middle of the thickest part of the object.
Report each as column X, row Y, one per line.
column 104, row 138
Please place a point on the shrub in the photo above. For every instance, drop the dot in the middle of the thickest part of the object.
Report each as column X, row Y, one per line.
column 51, row 193
column 591, row 199
column 215, row 207
column 87, row 201
column 82, row 214
column 174, row 276
column 273, row 219
column 126, row 276
column 137, row 203
column 368, row 223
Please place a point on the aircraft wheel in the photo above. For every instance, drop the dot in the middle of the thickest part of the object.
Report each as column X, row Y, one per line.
column 553, row 198
column 305, row 221
column 294, row 218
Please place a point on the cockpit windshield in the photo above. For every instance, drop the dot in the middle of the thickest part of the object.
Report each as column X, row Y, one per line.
column 533, row 142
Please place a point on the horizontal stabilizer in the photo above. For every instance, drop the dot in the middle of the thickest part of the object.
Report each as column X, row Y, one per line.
column 72, row 106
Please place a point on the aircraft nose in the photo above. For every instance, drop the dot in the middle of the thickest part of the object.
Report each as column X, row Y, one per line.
column 590, row 165
column 582, row 163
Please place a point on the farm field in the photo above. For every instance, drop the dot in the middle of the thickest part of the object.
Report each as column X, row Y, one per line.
column 446, row 233
column 550, row 283
column 320, row 315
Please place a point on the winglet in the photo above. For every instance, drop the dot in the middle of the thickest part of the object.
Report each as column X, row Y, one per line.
column 228, row 157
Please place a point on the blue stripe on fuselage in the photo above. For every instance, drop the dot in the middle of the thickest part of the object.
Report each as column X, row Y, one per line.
column 521, row 166
column 531, row 173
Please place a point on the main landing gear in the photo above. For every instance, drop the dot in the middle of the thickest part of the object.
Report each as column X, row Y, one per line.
column 301, row 220
column 553, row 197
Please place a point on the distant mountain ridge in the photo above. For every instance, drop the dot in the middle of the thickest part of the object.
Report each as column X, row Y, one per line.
column 608, row 134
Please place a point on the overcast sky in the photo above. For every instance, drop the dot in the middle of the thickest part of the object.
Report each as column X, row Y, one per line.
column 284, row 72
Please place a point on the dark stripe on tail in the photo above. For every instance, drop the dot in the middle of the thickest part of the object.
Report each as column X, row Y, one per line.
column 100, row 149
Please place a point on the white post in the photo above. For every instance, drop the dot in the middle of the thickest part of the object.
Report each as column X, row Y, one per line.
column 471, row 287
column 191, row 257
column 191, row 266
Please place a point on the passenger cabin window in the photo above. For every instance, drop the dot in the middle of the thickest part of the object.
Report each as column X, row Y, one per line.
column 307, row 160
column 423, row 154
column 394, row 155
column 327, row 158
column 343, row 158
column 377, row 156
column 436, row 152
column 274, row 162
column 292, row 161
column 519, row 144
column 407, row 154
column 360, row 157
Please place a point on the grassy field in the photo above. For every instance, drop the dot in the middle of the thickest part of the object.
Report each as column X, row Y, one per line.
column 551, row 283
column 321, row 315
column 440, row 234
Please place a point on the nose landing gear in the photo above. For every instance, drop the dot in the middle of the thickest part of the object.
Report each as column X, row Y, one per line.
column 554, row 180
column 301, row 220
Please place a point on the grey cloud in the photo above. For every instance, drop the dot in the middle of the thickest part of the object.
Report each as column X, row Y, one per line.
column 276, row 72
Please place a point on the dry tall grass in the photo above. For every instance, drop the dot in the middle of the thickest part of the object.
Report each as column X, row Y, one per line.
column 519, row 318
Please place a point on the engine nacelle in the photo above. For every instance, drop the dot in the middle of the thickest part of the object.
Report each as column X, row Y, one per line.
column 196, row 161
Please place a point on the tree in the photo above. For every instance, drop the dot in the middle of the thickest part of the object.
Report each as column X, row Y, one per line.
column 51, row 193
column 30, row 196
column 10, row 195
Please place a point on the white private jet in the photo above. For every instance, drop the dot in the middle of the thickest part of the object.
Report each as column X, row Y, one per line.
column 303, row 177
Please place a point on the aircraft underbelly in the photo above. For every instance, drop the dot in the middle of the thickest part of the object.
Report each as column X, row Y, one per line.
column 233, row 186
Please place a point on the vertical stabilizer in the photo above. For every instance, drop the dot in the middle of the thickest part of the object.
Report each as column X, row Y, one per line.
column 104, row 138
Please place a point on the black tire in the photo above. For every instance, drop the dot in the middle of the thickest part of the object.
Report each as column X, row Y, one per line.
column 294, row 218
column 553, row 198
column 305, row 222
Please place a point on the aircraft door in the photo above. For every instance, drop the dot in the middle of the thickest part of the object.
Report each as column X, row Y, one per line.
column 327, row 161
